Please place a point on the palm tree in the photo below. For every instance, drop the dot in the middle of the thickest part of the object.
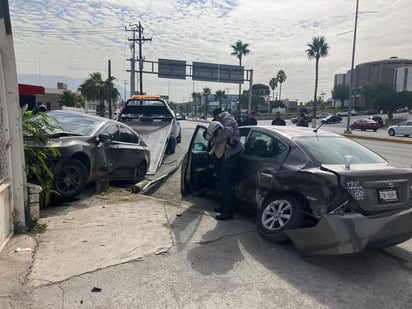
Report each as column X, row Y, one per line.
column 206, row 92
column 273, row 83
column 317, row 49
column 281, row 77
column 69, row 98
column 240, row 50
column 220, row 95
column 94, row 88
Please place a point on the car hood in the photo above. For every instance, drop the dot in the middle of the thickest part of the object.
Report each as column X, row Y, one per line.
column 375, row 187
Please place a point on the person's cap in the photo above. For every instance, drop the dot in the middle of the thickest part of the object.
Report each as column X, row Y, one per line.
column 217, row 111
column 42, row 108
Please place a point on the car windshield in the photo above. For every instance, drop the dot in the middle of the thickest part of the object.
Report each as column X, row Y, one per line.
column 74, row 123
column 332, row 150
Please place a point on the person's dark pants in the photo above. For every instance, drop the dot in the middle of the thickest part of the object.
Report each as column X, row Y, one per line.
column 227, row 168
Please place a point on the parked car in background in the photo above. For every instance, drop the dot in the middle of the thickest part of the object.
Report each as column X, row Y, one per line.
column 378, row 119
column 371, row 111
column 323, row 191
column 332, row 119
column 346, row 112
column 323, row 115
column 295, row 119
column 402, row 110
column 92, row 148
column 404, row 128
column 180, row 116
column 364, row 124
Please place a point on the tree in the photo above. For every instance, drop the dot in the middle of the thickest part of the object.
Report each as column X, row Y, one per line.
column 261, row 90
column 95, row 88
column 240, row 50
column 281, row 78
column 340, row 92
column 381, row 96
column 220, row 95
column 206, row 92
column 317, row 49
column 273, row 83
column 72, row 99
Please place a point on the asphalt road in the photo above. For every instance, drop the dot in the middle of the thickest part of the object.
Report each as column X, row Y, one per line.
column 214, row 264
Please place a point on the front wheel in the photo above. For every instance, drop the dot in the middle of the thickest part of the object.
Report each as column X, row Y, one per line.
column 391, row 132
column 70, row 180
column 140, row 171
column 277, row 215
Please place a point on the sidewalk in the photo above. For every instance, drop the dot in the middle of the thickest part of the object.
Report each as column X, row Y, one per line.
column 90, row 234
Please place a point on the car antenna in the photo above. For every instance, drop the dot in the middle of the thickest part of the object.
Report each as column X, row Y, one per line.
column 316, row 130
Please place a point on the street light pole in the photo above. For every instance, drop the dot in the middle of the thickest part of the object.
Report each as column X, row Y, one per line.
column 352, row 68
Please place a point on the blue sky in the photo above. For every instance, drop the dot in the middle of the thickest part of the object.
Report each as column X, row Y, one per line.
column 75, row 38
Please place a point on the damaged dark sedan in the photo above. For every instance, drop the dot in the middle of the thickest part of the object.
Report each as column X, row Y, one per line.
column 92, row 149
column 326, row 193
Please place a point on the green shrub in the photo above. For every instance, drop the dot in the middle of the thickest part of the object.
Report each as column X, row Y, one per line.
column 37, row 156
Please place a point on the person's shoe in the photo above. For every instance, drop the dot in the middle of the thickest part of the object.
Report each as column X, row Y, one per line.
column 219, row 209
column 223, row 217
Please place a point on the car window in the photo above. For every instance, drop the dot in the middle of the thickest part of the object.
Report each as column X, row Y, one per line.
column 127, row 136
column 200, row 144
column 73, row 123
column 332, row 150
column 263, row 145
column 113, row 130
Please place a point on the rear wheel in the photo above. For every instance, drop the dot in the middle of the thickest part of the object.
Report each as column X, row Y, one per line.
column 277, row 215
column 70, row 180
column 391, row 132
column 179, row 138
column 171, row 146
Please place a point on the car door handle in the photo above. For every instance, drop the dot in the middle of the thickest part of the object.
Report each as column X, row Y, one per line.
column 266, row 174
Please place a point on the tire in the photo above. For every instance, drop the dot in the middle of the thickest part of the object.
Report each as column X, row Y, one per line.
column 179, row 138
column 171, row 146
column 140, row 171
column 70, row 180
column 391, row 132
column 277, row 215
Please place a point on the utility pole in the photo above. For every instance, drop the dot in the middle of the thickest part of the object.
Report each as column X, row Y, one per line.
column 125, row 85
column 132, row 60
column 109, row 68
column 141, row 39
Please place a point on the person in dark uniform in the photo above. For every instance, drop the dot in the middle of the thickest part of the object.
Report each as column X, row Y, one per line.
column 278, row 121
column 230, row 135
column 250, row 120
column 302, row 122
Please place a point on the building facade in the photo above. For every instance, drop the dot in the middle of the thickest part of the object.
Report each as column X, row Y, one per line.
column 395, row 71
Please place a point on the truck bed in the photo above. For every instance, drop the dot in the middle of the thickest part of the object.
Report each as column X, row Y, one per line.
column 155, row 134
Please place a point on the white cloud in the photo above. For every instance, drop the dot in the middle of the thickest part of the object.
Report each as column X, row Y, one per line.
column 75, row 38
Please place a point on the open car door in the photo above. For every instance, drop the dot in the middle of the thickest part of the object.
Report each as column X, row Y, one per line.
column 195, row 167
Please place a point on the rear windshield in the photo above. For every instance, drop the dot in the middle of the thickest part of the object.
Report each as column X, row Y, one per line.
column 332, row 150
column 74, row 123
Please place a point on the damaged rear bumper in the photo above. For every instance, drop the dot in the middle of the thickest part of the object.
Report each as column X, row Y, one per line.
column 352, row 233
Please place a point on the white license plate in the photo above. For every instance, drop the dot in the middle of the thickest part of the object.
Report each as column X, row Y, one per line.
column 388, row 195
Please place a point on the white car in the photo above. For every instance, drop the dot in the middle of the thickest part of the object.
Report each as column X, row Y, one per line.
column 345, row 113
column 404, row 128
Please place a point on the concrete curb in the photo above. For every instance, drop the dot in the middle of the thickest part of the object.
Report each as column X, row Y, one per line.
column 393, row 139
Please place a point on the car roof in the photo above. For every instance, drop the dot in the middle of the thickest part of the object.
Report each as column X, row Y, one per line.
column 78, row 114
column 295, row 131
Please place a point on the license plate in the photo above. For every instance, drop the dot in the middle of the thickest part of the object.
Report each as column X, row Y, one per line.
column 388, row 195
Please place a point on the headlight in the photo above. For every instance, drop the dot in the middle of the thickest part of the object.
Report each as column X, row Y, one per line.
column 54, row 143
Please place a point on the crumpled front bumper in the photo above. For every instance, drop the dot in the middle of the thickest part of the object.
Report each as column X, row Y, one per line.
column 352, row 233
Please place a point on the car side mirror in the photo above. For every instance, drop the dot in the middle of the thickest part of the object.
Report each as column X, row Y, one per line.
column 104, row 138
